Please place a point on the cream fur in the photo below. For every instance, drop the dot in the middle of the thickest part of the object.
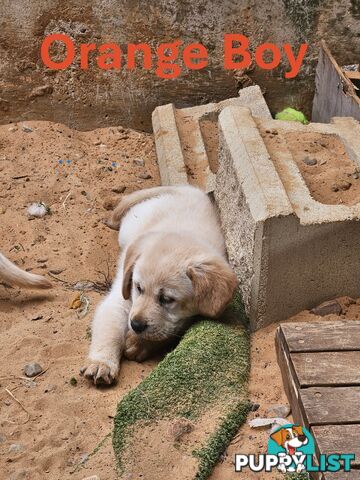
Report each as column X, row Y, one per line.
column 172, row 250
column 13, row 275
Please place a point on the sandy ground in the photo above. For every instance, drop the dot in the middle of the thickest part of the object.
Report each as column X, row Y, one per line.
column 330, row 174
column 62, row 423
column 50, row 428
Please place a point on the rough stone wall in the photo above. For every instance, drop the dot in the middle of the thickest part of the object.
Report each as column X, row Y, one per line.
column 94, row 98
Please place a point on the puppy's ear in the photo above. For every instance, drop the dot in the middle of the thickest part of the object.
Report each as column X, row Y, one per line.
column 132, row 254
column 298, row 429
column 214, row 284
column 278, row 437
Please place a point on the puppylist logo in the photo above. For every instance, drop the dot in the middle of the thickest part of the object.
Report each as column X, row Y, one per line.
column 291, row 448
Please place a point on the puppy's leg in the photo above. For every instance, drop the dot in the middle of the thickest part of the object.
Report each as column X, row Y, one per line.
column 109, row 329
column 129, row 201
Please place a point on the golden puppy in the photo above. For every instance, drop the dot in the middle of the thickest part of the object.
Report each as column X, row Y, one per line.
column 172, row 267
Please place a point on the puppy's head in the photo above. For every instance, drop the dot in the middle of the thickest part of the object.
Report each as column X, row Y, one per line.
column 290, row 438
column 171, row 279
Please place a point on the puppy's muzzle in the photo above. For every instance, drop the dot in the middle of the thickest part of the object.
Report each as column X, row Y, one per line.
column 138, row 324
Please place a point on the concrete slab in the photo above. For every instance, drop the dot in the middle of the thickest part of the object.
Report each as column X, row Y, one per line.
column 290, row 249
column 187, row 139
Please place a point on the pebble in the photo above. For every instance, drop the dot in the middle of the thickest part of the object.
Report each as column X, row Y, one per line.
column 57, row 271
column 84, row 285
column 41, row 91
column 139, row 162
column 254, row 407
column 110, row 203
column 180, row 427
column 120, row 189
column 31, row 369
column 310, row 161
column 38, row 317
column 281, row 411
column 27, row 129
column 16, row 448
column 37, row 210
column 144, row 176
column 2, row 210
column 327, row 308
column 341, row 186
column 2, row 438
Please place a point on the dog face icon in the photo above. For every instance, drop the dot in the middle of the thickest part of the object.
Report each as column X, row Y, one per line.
column 290, row 438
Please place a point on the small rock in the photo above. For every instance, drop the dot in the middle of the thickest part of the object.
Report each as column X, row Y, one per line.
column 16, row 448
column 2, row 210
column 310, row 161
column 254, row 407
column 2, row 438
column 38, row 317
column 139, row 162
column 32, row 369
column 120, row 189
column 41, row 91
column 327, row 308
column 180, row 427
column 7, row 403
column 110, row 203
column 144, row 176
column 281, row 411
column 84, row 458
column 84, row 285
column 27, row 129
column 57, row 271
column 341, row 186
column 38, row 210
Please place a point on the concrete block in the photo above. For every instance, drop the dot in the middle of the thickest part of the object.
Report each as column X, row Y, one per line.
column 187, row 139
column 291, row 246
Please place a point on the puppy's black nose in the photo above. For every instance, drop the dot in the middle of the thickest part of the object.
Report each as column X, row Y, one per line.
column 138, row 325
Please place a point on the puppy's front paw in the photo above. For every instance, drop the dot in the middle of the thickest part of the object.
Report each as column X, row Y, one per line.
column 100, row 373
column 135, row 348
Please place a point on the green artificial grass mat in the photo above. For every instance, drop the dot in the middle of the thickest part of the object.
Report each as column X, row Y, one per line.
column 207, row 372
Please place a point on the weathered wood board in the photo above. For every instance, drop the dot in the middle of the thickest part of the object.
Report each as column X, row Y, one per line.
column 320, row 366
column 335, row 95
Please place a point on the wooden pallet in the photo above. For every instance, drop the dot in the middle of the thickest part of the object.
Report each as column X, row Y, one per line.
column 320, row 367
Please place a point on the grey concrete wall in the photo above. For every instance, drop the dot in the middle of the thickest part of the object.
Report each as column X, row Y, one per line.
column 96, row 98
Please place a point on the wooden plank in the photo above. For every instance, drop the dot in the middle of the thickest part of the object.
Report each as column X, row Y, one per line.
column 322, row 336
column 324, row 405
column 353, row 475
column 352, row 75
column 327, row 368
column 288, row 377
column 335, row 94
column 338, row 439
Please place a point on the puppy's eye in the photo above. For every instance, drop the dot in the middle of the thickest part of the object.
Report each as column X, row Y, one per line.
column 165, row 300
column 138, row 288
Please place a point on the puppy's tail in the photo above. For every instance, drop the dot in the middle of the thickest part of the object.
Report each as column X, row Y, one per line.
column 129, row 201
column 13, row 275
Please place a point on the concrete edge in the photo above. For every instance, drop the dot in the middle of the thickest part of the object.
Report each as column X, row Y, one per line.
column 172, row 168
column 254, row 168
